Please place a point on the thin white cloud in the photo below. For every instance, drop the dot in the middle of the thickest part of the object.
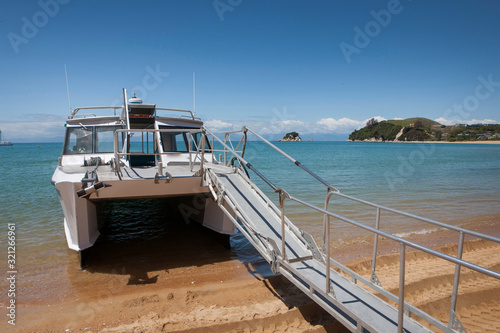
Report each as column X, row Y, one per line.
column 378, row 118
column 33, row 131
column 288, row 125
column 218, row 125
column 450, row 122
column 332, row 124
column 342, row 125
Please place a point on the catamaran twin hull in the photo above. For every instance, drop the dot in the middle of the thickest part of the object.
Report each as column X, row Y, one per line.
column 134, row 155
column 80, row 220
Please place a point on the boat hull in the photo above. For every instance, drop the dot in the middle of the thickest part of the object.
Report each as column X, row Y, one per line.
column 80, row 216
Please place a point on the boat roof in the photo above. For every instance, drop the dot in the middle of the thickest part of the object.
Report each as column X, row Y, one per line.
column 98, row 120
column 136, row 111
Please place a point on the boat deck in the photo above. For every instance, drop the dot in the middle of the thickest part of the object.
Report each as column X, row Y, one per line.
column 105, row 173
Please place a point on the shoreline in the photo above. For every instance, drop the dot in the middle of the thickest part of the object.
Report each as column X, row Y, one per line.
column 483, row 142
column 230, row 295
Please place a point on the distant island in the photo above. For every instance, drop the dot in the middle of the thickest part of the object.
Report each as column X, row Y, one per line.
column 423, row 129
column 291, row 137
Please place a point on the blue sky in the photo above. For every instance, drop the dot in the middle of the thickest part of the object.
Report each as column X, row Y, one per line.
column 319, row 67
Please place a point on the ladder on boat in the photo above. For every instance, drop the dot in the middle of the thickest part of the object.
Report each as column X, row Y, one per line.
column 294, row 253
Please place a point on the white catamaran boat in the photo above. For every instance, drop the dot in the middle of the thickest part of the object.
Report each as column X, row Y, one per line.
column 138, row 153
column 4, row 143
column 132, row 154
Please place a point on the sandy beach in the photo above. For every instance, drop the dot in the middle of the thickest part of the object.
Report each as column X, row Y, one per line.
column 492, row 142
column 484, row 142
column 194, row 293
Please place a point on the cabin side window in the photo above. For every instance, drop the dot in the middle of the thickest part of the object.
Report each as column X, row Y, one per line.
column 91, row 139
column 174, row 142
column 180, row 142
column 78, row 140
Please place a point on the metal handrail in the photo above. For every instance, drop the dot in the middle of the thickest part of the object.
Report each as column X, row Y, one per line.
column 297, row 163
column 441, row 255
column 178, row 110
column 75, row 111
column 424, row 219
column 402, row 305
column 403, row 243
column 241, row 159
column 363, row 226
column 462, row 232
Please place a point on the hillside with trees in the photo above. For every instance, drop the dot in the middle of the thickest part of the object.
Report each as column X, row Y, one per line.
column 423, row 129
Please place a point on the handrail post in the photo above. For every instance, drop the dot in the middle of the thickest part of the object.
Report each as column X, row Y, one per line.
column 326, row 241
column 202, row 151
column 456, row 280
column 116, row 148
column 283, row 195
column 191, row 163
column 373, row 276
column 401, row 306
column 226, row 137
column 244, row 142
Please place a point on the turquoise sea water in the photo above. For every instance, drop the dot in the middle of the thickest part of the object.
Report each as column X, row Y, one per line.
column 446, row 182
column 437, row 180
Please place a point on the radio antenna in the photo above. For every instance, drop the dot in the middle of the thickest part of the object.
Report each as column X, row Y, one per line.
column 194, row 95
column 67, row 88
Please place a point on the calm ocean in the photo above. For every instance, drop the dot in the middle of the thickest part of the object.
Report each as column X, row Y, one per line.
column 446, row 182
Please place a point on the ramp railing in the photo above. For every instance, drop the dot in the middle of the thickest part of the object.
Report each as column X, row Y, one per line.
column 453, row 324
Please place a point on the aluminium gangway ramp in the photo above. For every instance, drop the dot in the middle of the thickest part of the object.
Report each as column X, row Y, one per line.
column 256, row 216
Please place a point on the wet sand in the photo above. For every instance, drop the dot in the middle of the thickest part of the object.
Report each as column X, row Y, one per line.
column 487, row 142
column 199, row 286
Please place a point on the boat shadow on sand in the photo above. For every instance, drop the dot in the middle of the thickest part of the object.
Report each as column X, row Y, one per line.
column 142, row 236
column 138, row 244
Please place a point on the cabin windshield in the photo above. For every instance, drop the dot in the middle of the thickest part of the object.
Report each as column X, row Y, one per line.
column 91, row 139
